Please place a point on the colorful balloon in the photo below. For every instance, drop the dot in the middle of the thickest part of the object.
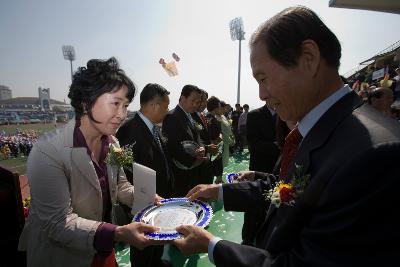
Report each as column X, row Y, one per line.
column 170, row 67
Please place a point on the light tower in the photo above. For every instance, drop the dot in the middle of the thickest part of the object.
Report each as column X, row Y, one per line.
column 237, row 33
column 69, row 54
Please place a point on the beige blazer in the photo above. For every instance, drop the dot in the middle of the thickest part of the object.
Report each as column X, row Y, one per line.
column 66, row 206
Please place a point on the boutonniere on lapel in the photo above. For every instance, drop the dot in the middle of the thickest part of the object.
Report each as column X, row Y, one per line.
column 198, row 126
column 286, row 193
column 120, row 156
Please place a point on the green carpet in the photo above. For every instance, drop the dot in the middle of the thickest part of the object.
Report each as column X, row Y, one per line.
column 226, row 225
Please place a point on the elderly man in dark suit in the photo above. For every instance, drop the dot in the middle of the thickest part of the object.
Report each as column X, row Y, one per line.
column 179, row 126
column 149, row 148
column 337, row 206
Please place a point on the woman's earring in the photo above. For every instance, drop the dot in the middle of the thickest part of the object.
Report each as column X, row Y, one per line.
column 84, row 109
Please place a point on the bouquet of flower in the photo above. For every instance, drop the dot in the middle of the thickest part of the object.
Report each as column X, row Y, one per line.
column 26, row 202
column 120, row 156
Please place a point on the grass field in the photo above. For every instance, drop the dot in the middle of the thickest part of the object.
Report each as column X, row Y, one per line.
column 40, row 128
column 19, row 164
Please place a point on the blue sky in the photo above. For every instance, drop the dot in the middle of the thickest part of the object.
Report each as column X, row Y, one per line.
column 139, row 33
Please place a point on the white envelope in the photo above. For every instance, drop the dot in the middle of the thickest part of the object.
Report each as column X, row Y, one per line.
column 144, row 181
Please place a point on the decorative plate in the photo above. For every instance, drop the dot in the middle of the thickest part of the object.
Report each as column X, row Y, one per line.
column 190, row 147
column 173, row 213
column 232, row 178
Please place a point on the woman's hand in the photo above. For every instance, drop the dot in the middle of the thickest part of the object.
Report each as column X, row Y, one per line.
column 157, row 200
column 133, row 234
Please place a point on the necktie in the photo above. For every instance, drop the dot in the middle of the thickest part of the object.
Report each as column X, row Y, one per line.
column 156, row 135
column 190, row 119
column 292, row 142
column 204, row 120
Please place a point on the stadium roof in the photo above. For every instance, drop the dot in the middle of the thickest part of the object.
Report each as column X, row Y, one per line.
column 391, row 6
column 28, row 101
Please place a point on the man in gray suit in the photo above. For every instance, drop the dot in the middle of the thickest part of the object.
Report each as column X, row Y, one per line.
column 341, row 209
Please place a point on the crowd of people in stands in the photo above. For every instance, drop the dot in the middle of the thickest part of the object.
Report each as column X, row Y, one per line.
column 18, row 144
column 26, row 117
column 380, row 93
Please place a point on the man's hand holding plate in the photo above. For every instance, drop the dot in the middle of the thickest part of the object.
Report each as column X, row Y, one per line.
column 195, row 240
column 204, row 192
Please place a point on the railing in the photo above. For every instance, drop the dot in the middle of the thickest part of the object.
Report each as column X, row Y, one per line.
column 360, row 66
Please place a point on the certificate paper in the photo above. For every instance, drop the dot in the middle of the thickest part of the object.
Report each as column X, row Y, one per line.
column 144, row 181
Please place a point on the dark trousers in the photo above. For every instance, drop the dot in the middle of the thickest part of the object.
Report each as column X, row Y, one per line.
column 252, row 222
column 217, row 167
column 185, row 180
column 242, row 137
column 237, row 138
column 148, row 257
column 207, row 175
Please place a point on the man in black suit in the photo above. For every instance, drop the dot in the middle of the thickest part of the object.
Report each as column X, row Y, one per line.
column 341, row 209
column 235, row 115
column 261, row 140
column 206, row 176
column 263, row 155
column 149, row 149
column 179, row 126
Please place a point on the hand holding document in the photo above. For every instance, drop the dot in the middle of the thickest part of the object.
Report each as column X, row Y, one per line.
column 144, row 181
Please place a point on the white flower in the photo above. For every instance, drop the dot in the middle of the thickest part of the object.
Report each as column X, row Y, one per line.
column 198, row 126
column 275, row 198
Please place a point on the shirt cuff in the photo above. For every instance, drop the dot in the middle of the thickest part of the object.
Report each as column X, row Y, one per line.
column 220, row 193
column 211, row 247
column 104, row 237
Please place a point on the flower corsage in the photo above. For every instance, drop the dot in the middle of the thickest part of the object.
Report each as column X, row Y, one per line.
column 120, row 156
column 198, row 126
column 26, row 203
column 286, row 193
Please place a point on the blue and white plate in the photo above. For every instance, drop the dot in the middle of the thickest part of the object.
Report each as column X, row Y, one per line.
column 173, row 213
column 232, row 178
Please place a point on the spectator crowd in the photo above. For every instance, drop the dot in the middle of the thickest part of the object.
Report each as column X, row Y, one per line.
column 18, row 144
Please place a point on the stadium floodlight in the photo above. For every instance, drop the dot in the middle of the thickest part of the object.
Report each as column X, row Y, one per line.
column 69, row 54
column 237, row 33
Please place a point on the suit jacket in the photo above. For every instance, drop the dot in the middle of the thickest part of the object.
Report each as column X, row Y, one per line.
column 67, row 206
column 347, row 215
column 261, row 140
column 204, row 136
column 147, row 152
column 206, row 176
column 178, row 128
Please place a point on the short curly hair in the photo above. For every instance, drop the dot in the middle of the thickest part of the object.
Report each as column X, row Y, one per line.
column 90, row 82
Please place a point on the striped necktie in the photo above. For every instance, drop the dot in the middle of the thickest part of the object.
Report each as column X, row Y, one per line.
column 156, row 135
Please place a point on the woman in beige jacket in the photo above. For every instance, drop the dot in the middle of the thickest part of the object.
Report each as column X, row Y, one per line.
column 74, row 191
